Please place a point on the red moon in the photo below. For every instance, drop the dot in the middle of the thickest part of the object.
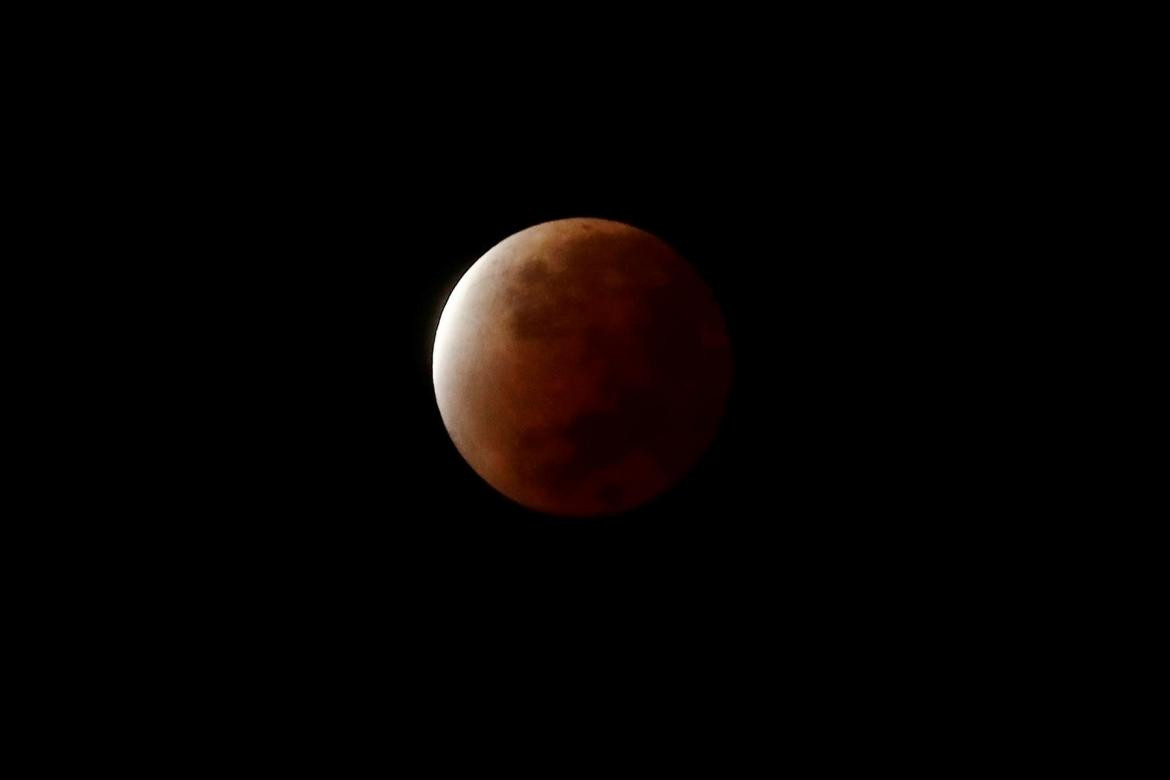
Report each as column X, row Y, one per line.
column 581, row 367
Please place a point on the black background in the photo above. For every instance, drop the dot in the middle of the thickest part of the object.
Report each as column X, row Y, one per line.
column 342, row 475
column 316, row 225
column 276, row 532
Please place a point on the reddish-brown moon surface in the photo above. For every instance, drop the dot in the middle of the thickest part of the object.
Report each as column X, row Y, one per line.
column 581, row 367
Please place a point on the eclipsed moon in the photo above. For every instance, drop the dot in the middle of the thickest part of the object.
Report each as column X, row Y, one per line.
column 581, row 367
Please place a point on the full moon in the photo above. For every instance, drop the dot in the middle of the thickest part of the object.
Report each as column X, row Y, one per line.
column 581, row 367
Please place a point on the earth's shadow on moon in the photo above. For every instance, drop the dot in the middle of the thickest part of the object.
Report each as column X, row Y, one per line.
column 657, row 388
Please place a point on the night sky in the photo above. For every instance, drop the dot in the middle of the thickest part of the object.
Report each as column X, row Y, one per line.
column 361, row 468
column 295, row 525
column 329, row 492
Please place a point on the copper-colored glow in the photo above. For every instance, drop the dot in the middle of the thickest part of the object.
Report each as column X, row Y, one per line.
column 581, row 366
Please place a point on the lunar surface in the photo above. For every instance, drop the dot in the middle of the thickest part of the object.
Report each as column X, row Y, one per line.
column 581, row 367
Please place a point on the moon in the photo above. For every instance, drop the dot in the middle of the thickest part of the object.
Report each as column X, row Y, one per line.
column 581, row 367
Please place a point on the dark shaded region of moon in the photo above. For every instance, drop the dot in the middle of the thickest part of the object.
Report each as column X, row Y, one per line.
column 581, row 367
